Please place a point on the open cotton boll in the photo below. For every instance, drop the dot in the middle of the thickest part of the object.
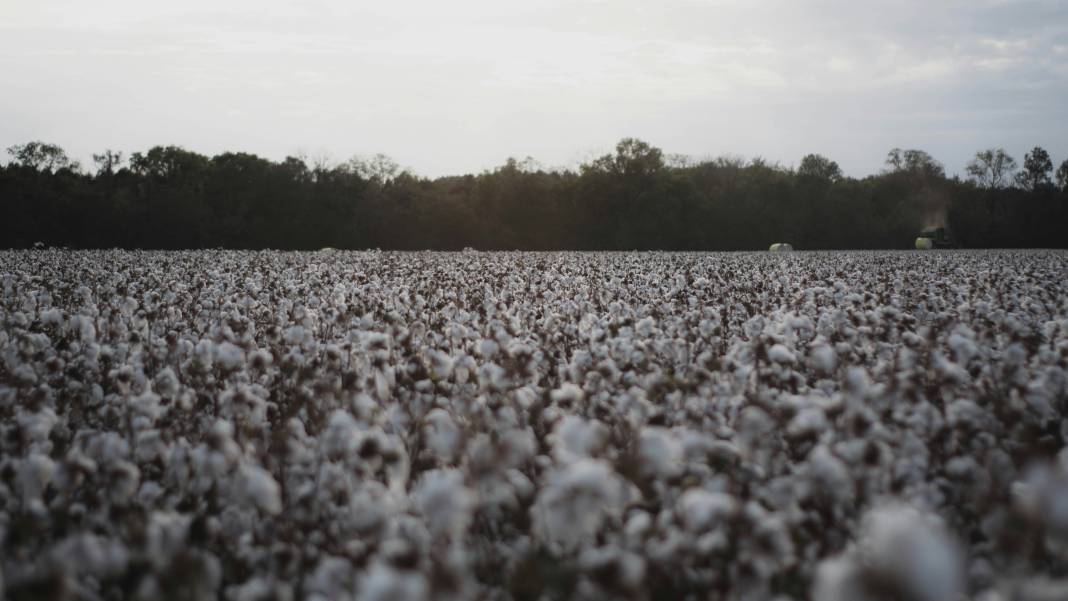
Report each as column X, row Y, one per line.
column 567, row 393
column 255, row 487
column 645, row 326
column 36, row 426
column 91, row 554
column 443, row 437
column 841, row 579
column 626, row 569
column 34, row 475
column 809, row 422
column 124, row 479
column 828, row 476
column 384, row 583
column 260, row 589
column 146, row 409
column 488, row 349
column 823, row 359
column 575, row 501
column 574, row 438
column 445, row 502
column 1042, row 496
column 492, row 377
column 341, row 437
column 702, row 509
column 296, row 335
column 51, row 317
column 660, row 452
column 167, row 383
column 85, row 328
column 439, row 364
column 962, row 343
column 780, row 354
column 912, row 553
column 229, row 356
column 332, row 578
column 204, row 354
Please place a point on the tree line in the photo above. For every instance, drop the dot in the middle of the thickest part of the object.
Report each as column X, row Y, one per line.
column 634, row 198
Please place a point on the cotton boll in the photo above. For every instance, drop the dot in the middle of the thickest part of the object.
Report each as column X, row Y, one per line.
column 440, row 365
column 166, row 382
column 146, row 410
column 255, row 487
column 384, row 583
column 637, row 525
column 780, row 354
column 828, row 476
column 911, row 553
column 229, row 356
column 857, row 381
column 203, row 355
column 702, row 509
column 964, row 413
column 260, row 359
column 124, row 478
column 85, row 328
column 810, row 422
column 612, row 568
column 150, row 494
column 341, row 437
column 575, row 502
column 575, row 438
column 260, row 589
column 37, row 426
column 443, row 437
column 91, row 554
column 492, row 377
column 660, row 453
column 149, row 445
column 445, row 502
column 1042, row 496
column 568, row 394
column 296, row 335
column 333, row 578
column 961, row 341
column 488, row 349
column 645, row 327
column 1041, row 588
column 823, row 359
column 841, row 579
column 34, row 475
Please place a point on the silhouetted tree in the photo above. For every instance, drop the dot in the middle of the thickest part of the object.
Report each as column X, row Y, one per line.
column 42, row 156
column 1036, row 170
column 991, row 168
column 107, row 162
column 914, row 161
column 819, row 167
column 633, row 198
column 1062, row 175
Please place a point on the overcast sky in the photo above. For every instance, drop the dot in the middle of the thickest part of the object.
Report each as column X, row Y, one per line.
column 458, row 86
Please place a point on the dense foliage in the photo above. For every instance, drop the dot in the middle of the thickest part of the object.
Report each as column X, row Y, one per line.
column 635, row 198
column 275, row 426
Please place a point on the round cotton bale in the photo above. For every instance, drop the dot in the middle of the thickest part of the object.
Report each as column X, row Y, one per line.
column 780, row 247
column 924, row 243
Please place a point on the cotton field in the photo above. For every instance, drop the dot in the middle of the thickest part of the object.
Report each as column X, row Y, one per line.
column 401, row 426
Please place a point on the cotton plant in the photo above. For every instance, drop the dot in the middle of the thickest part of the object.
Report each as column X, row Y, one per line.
column 244, row 426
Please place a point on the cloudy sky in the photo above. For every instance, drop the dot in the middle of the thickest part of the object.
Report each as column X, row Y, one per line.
column 458, row 86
